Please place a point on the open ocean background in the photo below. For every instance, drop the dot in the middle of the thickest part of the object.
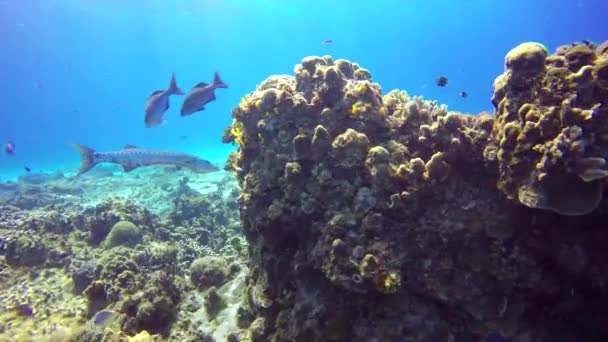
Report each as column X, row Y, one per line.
column 81, row 70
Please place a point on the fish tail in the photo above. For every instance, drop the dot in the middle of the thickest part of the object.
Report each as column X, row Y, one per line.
column 86, row 154
column 173, row 88
column 217, row 81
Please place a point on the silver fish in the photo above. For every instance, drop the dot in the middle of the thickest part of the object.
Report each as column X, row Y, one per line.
column 102, row 318
column 200, row 95
column 132, row 157
column 158, row 103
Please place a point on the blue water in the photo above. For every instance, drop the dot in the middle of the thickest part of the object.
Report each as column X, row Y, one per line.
column 81, row 70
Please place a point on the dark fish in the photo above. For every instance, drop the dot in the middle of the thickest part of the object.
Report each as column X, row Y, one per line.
column 24, row 310
column 158, row 103
column 589, row 43
column 183, row 137
column 103, row 317
column 9, row 148
column 132, row 157
column 200, row 95
column 496, row 337
column 463, row 94
column 27, row 169
column 325, row 42
column 441, row 81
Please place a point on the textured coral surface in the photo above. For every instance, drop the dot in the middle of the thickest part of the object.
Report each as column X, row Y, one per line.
column 64, row 262
column 376, row 217
column 552, row 130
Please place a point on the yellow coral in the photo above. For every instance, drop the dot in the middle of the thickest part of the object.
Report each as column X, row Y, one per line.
column 382, row 111
column 354, row 110
column 244, row 104
column 362, row 88
column 261, row 138
column 233, row 160
column 258, row 105
column 359, row 108
column 392, row 282
column 237, row 131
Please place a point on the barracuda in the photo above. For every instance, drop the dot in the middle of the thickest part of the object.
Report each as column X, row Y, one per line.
column 132, row 157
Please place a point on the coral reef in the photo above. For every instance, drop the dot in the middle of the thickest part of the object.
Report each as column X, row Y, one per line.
column 65, row 261
column 379, row 218
column 104, row 216
column 355, row 215
column 552, row 132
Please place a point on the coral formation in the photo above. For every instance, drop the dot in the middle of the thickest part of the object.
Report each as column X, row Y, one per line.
column 209, row 271
column 551, row 132
column 24, row 250
column 364, row 216
column 374, row 217
column 123, row 233
column 57, row 272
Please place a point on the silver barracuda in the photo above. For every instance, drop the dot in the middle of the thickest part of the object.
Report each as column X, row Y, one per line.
column 132, row 157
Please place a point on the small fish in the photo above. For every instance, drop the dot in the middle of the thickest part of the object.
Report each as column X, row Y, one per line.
column 183, row 137
column 200, row 95
column 132, row 157
column 24, row 310
column 326, row 42
column 463, row 94
column 496, row 337
column 441, row 81
column 27, row 168
column 103, row 317
column 158, row 103
column 589, row 43
column 9, row 148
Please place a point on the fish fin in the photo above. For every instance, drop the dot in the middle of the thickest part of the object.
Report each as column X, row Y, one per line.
column 173, row 88
column 167, row 105
column 129, row 167
column 201, row 85
column 217, row 81
column 129, row 146
column 156, row 92
column 86, row 153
